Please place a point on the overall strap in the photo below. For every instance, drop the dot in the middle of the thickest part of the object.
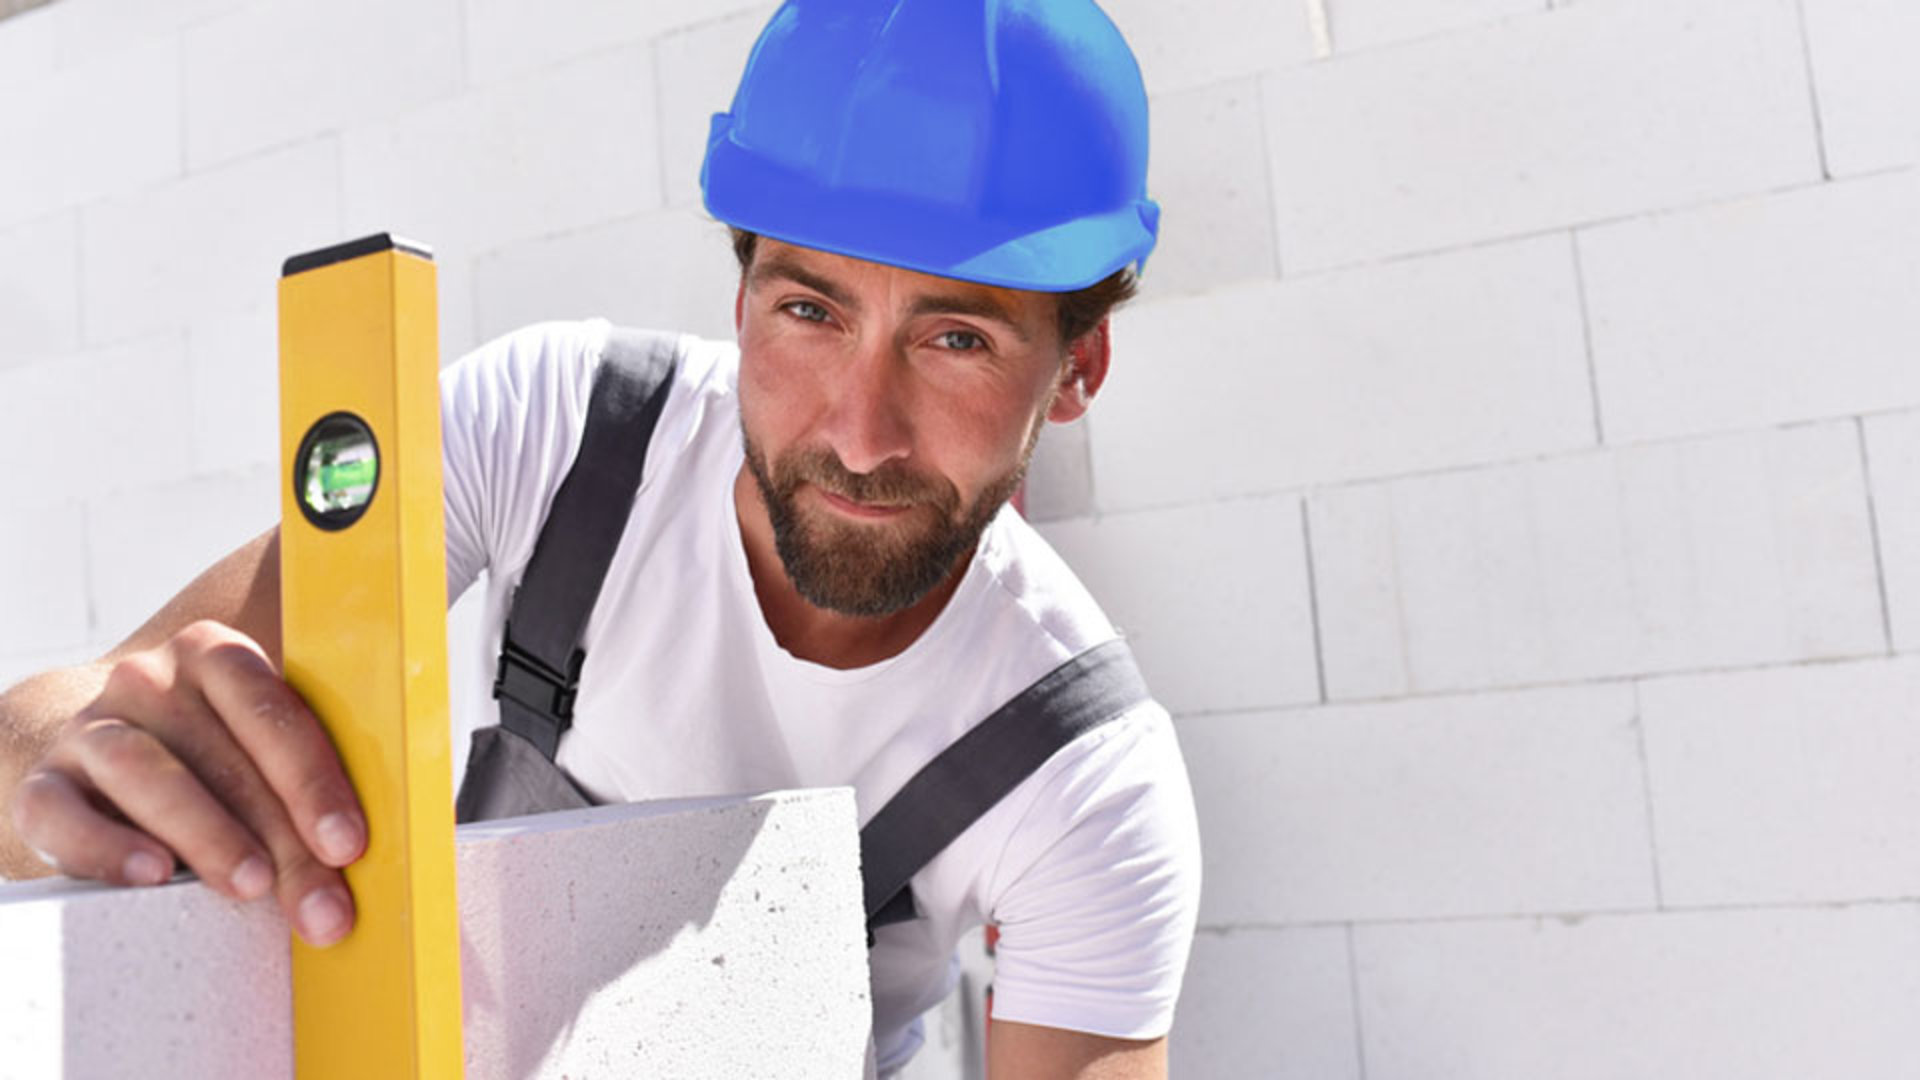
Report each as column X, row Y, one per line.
column 540, row 655
column 967, row 778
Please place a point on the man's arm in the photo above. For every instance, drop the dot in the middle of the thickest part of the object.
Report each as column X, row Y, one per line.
column 184, row 743
column 1031, row 1052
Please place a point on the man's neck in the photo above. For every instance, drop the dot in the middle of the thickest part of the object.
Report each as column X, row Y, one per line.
column 811, row 633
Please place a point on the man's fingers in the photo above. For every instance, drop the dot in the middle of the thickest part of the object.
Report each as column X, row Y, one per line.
column 52, row 816
column 287, row 744
column 160, row 796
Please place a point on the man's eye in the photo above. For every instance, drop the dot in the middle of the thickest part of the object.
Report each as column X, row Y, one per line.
column 961, row 340
column 807, row 310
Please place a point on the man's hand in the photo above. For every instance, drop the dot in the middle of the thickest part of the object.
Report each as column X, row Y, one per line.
column 195, row 749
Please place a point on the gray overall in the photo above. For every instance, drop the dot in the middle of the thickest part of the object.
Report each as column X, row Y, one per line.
column 511, row 771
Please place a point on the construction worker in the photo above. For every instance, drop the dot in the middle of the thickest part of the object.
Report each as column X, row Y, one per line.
column 935, row 204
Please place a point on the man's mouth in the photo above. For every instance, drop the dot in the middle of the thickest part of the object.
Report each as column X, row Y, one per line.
column 852, row 508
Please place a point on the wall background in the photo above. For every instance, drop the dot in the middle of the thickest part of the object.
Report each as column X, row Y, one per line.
column 1510, row 476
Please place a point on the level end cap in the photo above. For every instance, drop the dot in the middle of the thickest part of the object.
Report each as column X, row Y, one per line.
column 354, row 249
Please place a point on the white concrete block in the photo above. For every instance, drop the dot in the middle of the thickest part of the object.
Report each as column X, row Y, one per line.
column 1209, row 173
column 94, row 422
column 1371, row 372
column 173, row 981
column 1268, row 1003
column 1738, row 550
column 39, row 288
column 1447, row 806
column 91, row 28
column 43, row 578
column 1213, row 599
column 1893, row 464
column 270, row 74
column 669, row 269
column 1758, row 995
column 1862, row 53
column 26, row 45
column 209, row 245
column 92, row 130
column 1060, row 476
column 1366, row 24
column 1790, row 307
column 1183, row 43
column 506, row 38
column 145, row 544
column 623, row 941
column 699, row 68
column 1768, row 789
column 1597, row 111
column 233, row 365
column 663, row 936
column 570, row 146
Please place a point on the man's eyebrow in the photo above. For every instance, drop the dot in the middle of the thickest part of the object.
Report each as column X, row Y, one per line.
column 775, row 267
column 979, row 305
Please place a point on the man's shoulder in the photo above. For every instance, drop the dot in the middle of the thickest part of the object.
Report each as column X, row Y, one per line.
column 1037, row 586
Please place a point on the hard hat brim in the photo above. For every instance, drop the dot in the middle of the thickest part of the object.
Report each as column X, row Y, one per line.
column 747, row 191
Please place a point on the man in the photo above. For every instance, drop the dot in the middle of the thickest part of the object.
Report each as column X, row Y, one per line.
column 934, row 204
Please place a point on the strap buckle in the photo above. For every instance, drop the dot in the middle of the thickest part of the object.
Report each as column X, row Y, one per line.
column 526, row 679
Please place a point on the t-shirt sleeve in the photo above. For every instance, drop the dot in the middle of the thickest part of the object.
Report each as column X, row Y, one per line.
column 1103, row 890
column 511, row 413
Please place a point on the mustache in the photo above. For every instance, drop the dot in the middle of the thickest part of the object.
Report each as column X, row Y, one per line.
column 892, row 484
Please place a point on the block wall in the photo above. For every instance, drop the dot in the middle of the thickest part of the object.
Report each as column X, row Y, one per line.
column 1508, row 475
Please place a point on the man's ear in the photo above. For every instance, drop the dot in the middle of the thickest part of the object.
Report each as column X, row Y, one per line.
column 739, row 304
column 1088, row 357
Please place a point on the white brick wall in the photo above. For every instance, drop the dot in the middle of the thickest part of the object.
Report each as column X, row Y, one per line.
column 670, row 267
column 1269, row 1003
column 99, row 128
column 1213, row 598
column 1361, row 373
column 1790, row 785
column 1700, row 318
column 1510, row 473
column 39, row 287
column 698, row 69
column 1209, row 174
column 1448, row 806
column 148, row 543
column 206, row 245
column 114, row 415
column 1363, row 24
column 1743, row 549
column 269, row 74
column 1596, row 111
column 1758, row 995
column 1893, row 455
column 1862, row 53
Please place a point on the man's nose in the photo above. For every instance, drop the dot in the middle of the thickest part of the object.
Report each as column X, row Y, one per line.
column 868, row 425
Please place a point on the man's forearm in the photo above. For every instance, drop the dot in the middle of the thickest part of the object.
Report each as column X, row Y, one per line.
column 30, row 715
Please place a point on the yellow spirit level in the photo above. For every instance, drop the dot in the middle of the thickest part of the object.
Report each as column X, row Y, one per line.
column 364, row 622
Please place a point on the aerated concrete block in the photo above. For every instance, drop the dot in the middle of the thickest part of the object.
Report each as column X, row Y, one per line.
column 690, row 938
column 1773, row 994
column 1600, row 111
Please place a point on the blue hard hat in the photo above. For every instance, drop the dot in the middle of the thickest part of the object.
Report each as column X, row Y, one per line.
column 997, row 141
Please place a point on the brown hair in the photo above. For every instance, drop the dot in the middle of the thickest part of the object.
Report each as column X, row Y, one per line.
column 1080, row 310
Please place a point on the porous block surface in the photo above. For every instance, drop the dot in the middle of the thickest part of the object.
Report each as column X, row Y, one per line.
column 629, row 940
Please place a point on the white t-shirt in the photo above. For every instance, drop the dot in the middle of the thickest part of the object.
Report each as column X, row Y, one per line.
column 1090, row 867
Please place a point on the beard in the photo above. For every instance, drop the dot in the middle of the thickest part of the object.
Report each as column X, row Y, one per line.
column 878, row 568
